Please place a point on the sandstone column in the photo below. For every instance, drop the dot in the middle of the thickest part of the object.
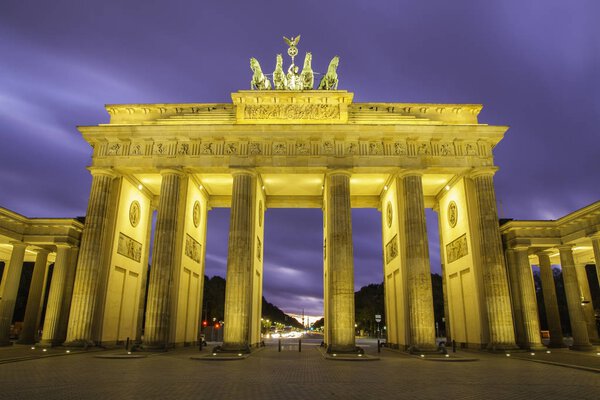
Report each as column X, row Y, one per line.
column 158, row 318
column 495, row 281
column 83, row 303
column 529, row 309
column 238, row 291
column 56, row 297
column 68, row 295
column 550, row 301
column 587, row 305
column 416, row 257
column 596, row 245
column 35, row 299
column 340, row 263
column 581, row 339
column 515, row 296
column 8, row 290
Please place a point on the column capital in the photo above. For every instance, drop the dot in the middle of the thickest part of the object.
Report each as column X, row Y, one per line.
column 565, row 247
column 409, row 172
column 482, row 171
column 17, row 244
column 42, row 251
column 519, row 245
column 98, row 171
column 243, row 171
column 339, row 171
column 172, row 171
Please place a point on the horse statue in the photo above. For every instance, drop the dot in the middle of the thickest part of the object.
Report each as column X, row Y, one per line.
column 307, row 77
column 259, row 80
column 279, row 79
column 330, row 79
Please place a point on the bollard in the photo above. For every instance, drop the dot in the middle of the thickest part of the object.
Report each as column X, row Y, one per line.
column 127, row 344
column 299, row 345
column 200, row 345
column 280, row 345
column 453, row 346
column 378, row 346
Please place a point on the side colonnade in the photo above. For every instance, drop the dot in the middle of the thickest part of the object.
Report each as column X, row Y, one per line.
column 571, row 242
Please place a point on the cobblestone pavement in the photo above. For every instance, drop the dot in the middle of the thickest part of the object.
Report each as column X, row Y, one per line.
column 268, row 374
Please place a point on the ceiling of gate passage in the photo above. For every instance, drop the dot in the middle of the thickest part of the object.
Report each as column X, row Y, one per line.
column 367, row 186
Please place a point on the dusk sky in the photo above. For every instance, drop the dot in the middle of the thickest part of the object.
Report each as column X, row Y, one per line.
column 533, row 64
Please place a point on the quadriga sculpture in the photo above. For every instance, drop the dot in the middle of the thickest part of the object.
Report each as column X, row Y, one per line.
column 279, row 80
column 259, row 80
column 307, row 77
column 330, row 79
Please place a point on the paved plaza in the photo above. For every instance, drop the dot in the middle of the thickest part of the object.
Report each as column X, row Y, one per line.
column 269, row 374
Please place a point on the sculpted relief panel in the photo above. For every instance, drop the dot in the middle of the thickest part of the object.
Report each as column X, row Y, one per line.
column 292, row 111
column 193, row 249
column 129, row 247
column 295, row 146
column 457, row 249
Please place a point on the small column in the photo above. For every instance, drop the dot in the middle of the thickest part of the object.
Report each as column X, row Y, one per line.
column 515, row 296
column 550, row 301
column 68, row 295
column 240, row 263
column 8, row 290
column 495, row 282
column 587, row 304
column 529, row 309
column 581, row 339
column 596, row 245
column 56, row 297
column 340, row 263
column 85, row 291
column 416, row 257
column 35, row 299
column 158, row 318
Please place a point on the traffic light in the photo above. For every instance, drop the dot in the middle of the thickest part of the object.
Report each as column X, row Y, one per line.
column 204, row 324
column 217, row 325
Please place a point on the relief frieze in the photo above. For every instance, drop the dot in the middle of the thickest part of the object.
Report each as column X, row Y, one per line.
column 129, row 247
column 457, row 249
column 292, row 111
column 193, row 249
column 391, row 249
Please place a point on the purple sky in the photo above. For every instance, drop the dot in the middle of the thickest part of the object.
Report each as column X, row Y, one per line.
column 535, row 65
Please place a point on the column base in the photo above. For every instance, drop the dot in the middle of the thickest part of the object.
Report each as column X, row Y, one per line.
column 348, row 349
column 5, row 343
column 501, row 347
column 582, row 347
column 533, row 347
column 232, row 348
column 80, row 343
column 26, row 341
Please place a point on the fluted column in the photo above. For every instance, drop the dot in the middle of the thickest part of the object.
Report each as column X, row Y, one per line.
column 495, row 281
column 550, row 301
column 9, row 288
column 512, row 267
column 35, row 299
column 158, row 318
column 596, row 245
column 587, row 304
column 531, row 322
column 340, row 262
column 85, row 291
column 68, row 295
column 416, row 256
column 239, row 263
column 579, row 331
column 56, row 297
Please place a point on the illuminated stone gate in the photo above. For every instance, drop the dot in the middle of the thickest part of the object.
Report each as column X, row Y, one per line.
column 289, row 149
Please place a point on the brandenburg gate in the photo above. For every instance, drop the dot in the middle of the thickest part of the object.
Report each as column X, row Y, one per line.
column 288, row 148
